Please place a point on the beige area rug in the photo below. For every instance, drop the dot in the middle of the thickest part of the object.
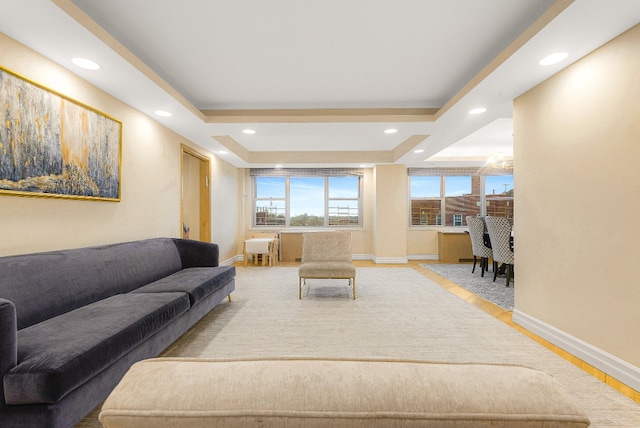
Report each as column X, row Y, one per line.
column 398, row 313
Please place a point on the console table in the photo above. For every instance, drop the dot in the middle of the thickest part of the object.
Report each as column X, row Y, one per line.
column 454, row 247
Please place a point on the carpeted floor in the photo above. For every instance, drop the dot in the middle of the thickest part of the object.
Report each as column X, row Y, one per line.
column 495, row 292
column 399, row 313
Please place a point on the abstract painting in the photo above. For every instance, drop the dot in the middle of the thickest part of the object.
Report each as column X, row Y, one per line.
column 53, row 146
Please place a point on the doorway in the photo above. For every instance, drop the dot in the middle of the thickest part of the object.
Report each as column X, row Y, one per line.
column 195, row 210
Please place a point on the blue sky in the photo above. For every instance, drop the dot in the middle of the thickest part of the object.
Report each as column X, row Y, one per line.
column 307, row 193
column 429, row 186
column 497, row 183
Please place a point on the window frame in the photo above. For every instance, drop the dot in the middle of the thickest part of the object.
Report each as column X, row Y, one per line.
column 327, row 174
column 442, row 173
column 270, row 200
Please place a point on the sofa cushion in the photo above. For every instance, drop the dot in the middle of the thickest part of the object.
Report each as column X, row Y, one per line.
column 57, row 355
column 197, row 282
column 312, row 393
column 45, row 285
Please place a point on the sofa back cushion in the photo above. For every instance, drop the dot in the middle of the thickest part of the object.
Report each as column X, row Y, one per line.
column 44, row 285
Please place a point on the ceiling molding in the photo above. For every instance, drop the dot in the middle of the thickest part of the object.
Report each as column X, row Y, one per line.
column 312, row 115
column 406, row 146
column 321, row 115
column 319, row 157
column 93, row 27
column 549, row 15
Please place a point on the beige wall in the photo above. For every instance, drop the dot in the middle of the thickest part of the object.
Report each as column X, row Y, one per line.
column 150, row 195
column 384, row 236
column 577, row 153
column 225, row 213
column 396, row 241
column 422, row 244
column 390, row 226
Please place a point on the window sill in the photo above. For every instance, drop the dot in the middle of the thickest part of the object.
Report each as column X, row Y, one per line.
column 449, row 229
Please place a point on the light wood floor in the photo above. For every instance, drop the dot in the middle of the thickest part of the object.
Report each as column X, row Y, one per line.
column 505, row 317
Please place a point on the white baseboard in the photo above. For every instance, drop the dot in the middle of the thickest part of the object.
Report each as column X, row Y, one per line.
column 422, row 257
column 232, row 260
column 396, row 260
column 603, row 361
column 391, row 260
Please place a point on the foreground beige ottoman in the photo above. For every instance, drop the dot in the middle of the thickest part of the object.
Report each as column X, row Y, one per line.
column 170, row 392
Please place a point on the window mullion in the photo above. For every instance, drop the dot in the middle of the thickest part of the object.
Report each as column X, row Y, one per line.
column 483, row 197
column 287, row 203
column 443, row 192
column 326, row 202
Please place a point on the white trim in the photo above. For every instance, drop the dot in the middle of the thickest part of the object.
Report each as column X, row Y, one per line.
column 422, row 257
column 232, row 260
column 391, row 260
column 240, row 258
column 609, row 364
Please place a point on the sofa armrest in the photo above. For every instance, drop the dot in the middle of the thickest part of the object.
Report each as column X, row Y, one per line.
column 8, row 340
column 197, row 253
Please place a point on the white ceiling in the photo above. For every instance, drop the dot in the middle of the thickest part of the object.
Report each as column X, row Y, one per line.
column 315, row 80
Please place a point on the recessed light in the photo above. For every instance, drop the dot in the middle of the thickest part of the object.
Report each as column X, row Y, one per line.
column 418, row 151
column 278, row 166
column 163, row 113
column 390, row 131
column 553, row 58
column 87, row 64
column 223, row 152
column 477, row 110
column 249, row 131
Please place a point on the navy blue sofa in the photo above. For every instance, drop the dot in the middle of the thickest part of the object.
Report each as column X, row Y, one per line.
column 72, row 322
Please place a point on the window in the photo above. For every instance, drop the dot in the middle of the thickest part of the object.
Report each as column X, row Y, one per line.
column 270, row 201
column 344, row 201
column 499, row 196
column 441, row 197
column 461, row 198
column 307, row 201
column 307, row 198
column 426, row 200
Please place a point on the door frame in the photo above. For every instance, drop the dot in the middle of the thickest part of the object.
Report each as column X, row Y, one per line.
column 205, row 193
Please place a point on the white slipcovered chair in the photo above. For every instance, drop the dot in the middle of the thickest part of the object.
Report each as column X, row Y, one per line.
column 326, row 255
column 476, row 232
column 500, row 234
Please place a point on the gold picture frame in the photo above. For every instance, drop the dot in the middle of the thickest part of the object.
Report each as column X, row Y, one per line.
column 54, row 146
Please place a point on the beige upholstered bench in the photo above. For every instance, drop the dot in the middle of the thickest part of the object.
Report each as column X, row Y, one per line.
column 170, row 392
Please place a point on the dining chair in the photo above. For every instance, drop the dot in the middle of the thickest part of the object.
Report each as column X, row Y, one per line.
column 500, row 233
column 479, row 249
